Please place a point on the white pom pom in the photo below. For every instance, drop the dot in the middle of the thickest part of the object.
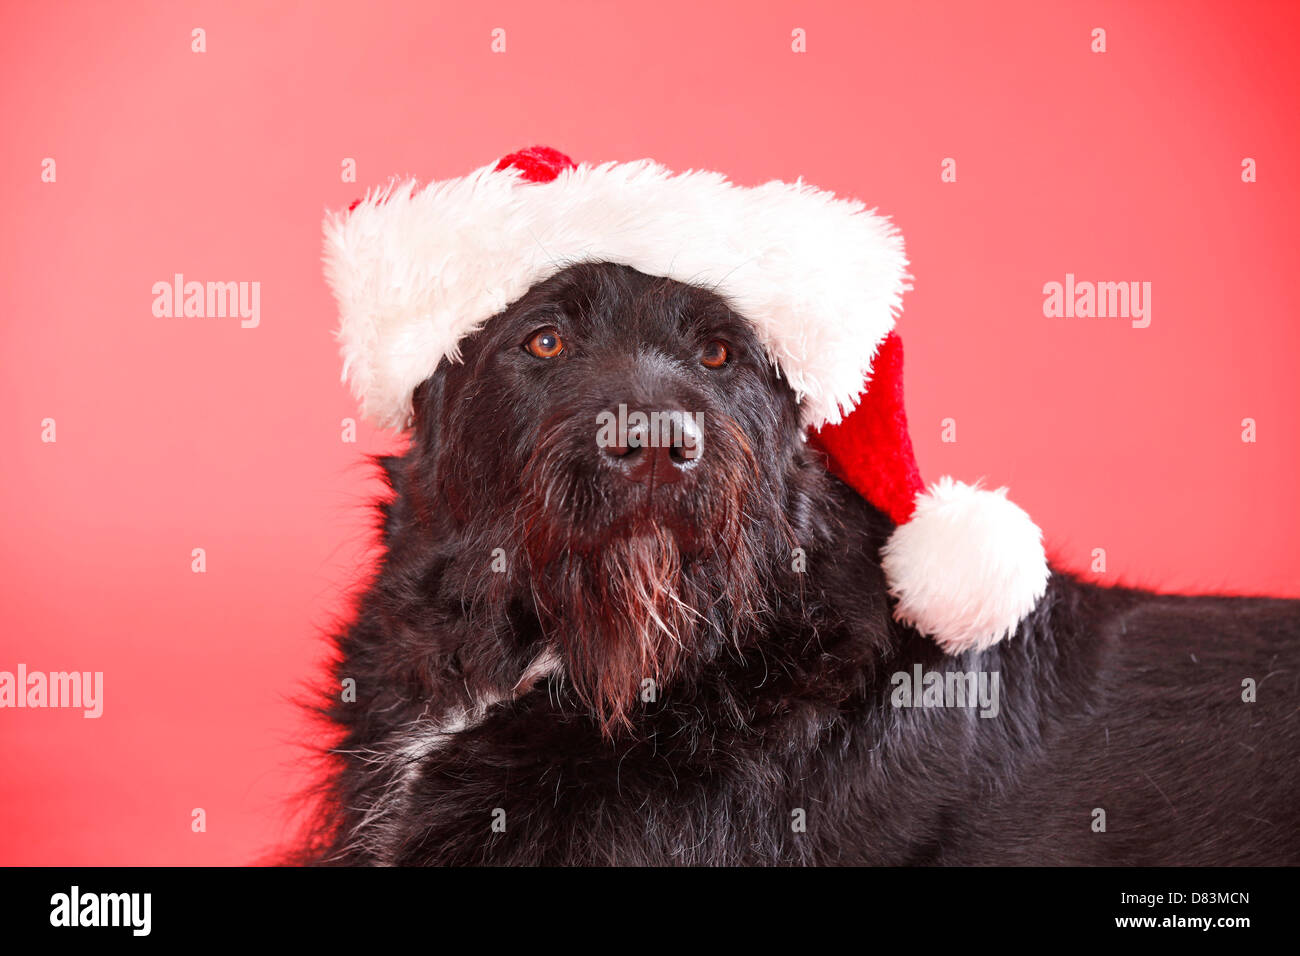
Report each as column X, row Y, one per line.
column 967, row 567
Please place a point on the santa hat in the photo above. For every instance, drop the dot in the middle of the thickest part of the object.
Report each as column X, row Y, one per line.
column 415, row 270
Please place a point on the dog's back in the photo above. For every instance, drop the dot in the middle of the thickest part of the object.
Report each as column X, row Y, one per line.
column 1170, row 734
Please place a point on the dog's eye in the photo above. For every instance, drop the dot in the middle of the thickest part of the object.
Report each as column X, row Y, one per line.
column 714, row 354
column 545, row 344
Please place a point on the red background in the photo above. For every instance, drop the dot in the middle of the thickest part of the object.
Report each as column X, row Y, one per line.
column 182, row 433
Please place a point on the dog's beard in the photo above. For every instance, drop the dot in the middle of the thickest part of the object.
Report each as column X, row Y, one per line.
column 629, row 604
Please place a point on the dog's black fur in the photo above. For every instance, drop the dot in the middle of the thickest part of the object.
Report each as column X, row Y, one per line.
column 772, row 685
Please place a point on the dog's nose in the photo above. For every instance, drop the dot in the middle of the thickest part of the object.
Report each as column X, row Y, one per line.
column 657, row 448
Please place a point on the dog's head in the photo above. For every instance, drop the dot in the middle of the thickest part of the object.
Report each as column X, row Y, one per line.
column 625, row 448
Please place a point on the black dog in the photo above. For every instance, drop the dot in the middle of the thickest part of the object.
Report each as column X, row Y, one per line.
column 576, row 654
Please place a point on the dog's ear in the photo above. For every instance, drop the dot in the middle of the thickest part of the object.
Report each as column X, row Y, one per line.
column 426, row 412
column 420, row 465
